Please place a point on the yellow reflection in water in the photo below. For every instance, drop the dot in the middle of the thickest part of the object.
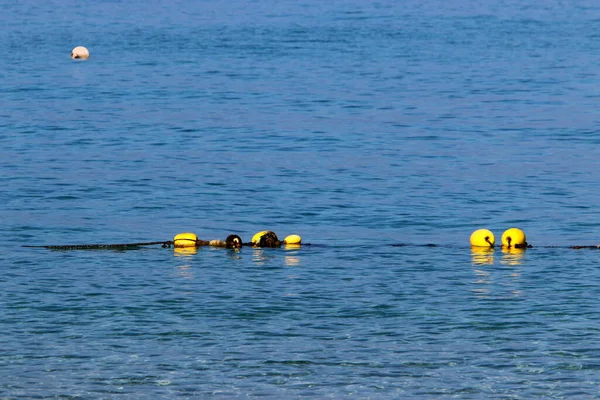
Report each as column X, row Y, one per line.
column 482, row 255
column 185, row 271
column 261, row 256
column 292, row 259
column 512, row 256
column 184, row 251
column 496, row 281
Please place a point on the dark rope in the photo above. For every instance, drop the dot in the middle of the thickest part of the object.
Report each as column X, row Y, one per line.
column 487, row 239
column 119, row 246
column 124, row 246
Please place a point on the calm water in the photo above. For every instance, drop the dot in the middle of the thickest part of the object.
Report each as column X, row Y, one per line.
column 356, row 125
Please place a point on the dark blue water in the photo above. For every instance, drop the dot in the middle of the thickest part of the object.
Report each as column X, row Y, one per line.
column 355, row 125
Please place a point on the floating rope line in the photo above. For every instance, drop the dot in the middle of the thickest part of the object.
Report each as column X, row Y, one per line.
column 118, row 246
column 188, row 240
column 482, row 239
column 583, row 247
column 169, row 243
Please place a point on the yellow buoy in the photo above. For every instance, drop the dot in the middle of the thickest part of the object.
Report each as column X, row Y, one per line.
column 80, row 52
column 514, row 237
column 292, row 239
column 257, row 236
column 483, row 238
column 186, row 239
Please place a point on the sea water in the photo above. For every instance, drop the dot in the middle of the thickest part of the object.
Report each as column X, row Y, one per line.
column 371, row 129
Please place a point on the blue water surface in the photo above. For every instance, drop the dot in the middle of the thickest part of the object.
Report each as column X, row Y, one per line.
column 371, row 129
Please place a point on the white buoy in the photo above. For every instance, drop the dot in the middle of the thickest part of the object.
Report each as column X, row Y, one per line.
column 80, row 52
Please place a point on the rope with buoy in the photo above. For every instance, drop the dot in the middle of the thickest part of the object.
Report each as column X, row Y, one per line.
column 513, row 238
column 188, row 240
